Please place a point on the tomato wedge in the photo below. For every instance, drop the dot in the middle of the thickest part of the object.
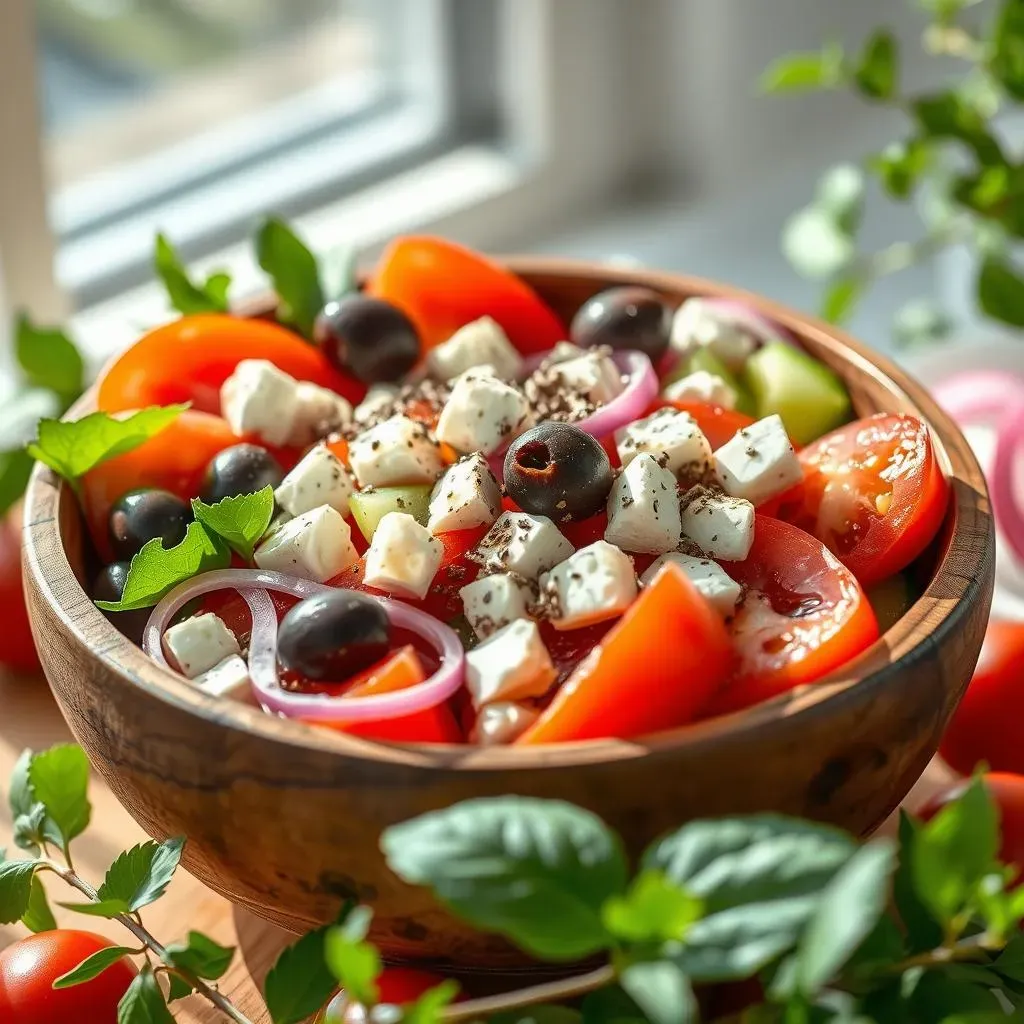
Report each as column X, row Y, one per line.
column 873, row 493
column 717, row 423
column 187, row 360
column 442, row 286
column 629, row 686
column 804, row 615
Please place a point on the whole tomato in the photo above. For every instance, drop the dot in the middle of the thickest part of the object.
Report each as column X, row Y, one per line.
column 28, row 969
column 397, row 985
column 17, row 648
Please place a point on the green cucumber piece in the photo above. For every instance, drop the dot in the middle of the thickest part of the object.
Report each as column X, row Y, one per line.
column 808, row 396
column 891, row 599
column 705, row 359
column 370, row 507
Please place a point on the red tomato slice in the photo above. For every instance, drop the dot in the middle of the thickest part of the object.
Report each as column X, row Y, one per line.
column 873, row 493
column 717, row 423
column 630, row 686
column 442, row 286
column 803, row 616
column 187, row 360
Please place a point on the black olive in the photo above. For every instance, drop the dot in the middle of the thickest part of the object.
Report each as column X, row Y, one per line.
column 109, row 586
column 559, row 471
column 333, row 636
column 143, row 515
column 369, row 338
column 624, row 318
column 240, row 469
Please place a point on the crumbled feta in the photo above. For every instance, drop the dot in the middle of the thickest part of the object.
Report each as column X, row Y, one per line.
column 758, row 462
column 199, row 643
column 403, row 557
column 499, row 724
column 698, row 324
column 375, row 401
column 480, row 342
column 524, row 544
column 719, row 525
column 316, row 545
column 592, row 376
column 701, row 386
column 509, row 665
column 482, row 413
column 643, row 508
column 260, row 399
column 710, row 579
column 318, row 412
column 228, row 678
column 397, row 451
column 467, row 495
column 671, row 436
column 320, row 478
column 492, row 602
column 596, row 583
column 563, row 351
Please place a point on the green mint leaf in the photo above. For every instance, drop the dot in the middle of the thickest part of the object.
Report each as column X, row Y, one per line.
column 536, row 871
column 848, row 910
column 144, row 1003
column 155, row 571
column 38, row 916
column 948, row 116
column 92, row 966
column 901, row 166
column 921, row 322
column 140, row 875
column 300, row 982
column 805, row 72
column 429, row 1007
column 923, row 931
column 186, row 296
column 15, row 889
column 877, row 75
column 108, row 909
column 662, row 991
column 19, row 792
column 201, row 956
column 610, row 1006
column 1001, row 291
column 15, row 469
column 60, row 781
column 339, row 272
column 815, row 244
column 178, row 987
column 841, row 299
column 71, row 449
column 355, row 963
column 293, row 271
column 241, row 520
column 654, row 909
column 1006, row 63
column 49, row 359
column 28, row 830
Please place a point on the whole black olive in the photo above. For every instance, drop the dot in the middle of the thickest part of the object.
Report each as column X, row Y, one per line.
column 109, row 586
column 369, row 338
column 333, row 636
column 140, row 516
column 240, row 469
column 629, row 317
column 559, row 471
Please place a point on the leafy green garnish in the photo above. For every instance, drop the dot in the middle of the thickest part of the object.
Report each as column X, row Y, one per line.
column 353, row 961
column 92, row 966
column 49, row 359
column 38, row 917
column 293, row 270
column 144, row 1003
column 15, row 469
column 240, row 520
column 15, row 888
column 201, row 956
column 140, row 875
column 300, row 982
column 60, row 780
column 186, row 296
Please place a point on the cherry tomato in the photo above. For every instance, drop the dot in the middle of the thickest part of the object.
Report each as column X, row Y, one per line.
column 987, row 726
column 187, row 360
column 17, row 648
column 873, row 493
column 29, row 967
column 442, row 286
column 397, row 985
column 803, row 616
column 717, row 423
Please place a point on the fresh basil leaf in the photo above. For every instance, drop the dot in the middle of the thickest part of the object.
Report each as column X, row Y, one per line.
column 92, row 966
column 877, row 75
column 71, row 449
column 429, row 1007
column 49, row 359
column 662, row 991
column 923, row 931
column 178, row 987
column 299, row 983
column 536, row 871
column 339, row 273
column 15, row 889
column 186, row 296
column 1006, row 62
column 355, row 963
column 60, row 782
column 293, row 271
column 654, row 909
column 140, row 875
column 806, row 72
column 155, row 571
column 201, row 956
column 948, row 116
column 15, row 469
column 1001, row 291
column 841, row 299
column 815, row 244
column 144, row 1003
column 610, row 1006
column 901, row 166
column 38, row 916
column 240, row 520
column 108, row 909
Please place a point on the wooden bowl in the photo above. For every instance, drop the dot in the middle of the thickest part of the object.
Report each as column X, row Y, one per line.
column 285, row 818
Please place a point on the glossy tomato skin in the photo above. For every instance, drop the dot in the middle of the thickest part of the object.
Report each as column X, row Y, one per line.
column 17, row 648
column 716, row 423
column 987, row 726
column 29, row 967
column 397, row 985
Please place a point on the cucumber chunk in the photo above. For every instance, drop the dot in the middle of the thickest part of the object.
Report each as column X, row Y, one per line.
column 891, row 599
column 371, row 506
column 705, row 359
column 808, row 396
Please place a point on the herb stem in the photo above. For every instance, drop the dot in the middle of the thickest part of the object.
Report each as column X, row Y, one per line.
column 973, row 948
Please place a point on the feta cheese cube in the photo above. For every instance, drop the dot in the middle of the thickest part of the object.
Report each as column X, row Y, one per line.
column 524, row 544
column 643, row 508
column 320, row 478
column 697, row 323
column 480, row 342
column 199, row 643
column 318, row 412
column 316, row 545
column 375, row 401
column 259, row 399
column 758, row 462
column 467, row 495
column 720, row 526
column 509, row 665
column 721, row 590
column 592, row 375
column 596, row 583
column 671, row 436
column 403, row 557
column 397, row 451
column 500, row 724
column 701, row 386
column 482, row 413
column 228, row 678
column 492, row 602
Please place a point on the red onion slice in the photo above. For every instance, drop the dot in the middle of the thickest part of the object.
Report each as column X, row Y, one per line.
column 979, row 394
column 641, row 389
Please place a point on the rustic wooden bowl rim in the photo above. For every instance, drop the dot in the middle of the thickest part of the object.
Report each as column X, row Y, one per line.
column 944, row 603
